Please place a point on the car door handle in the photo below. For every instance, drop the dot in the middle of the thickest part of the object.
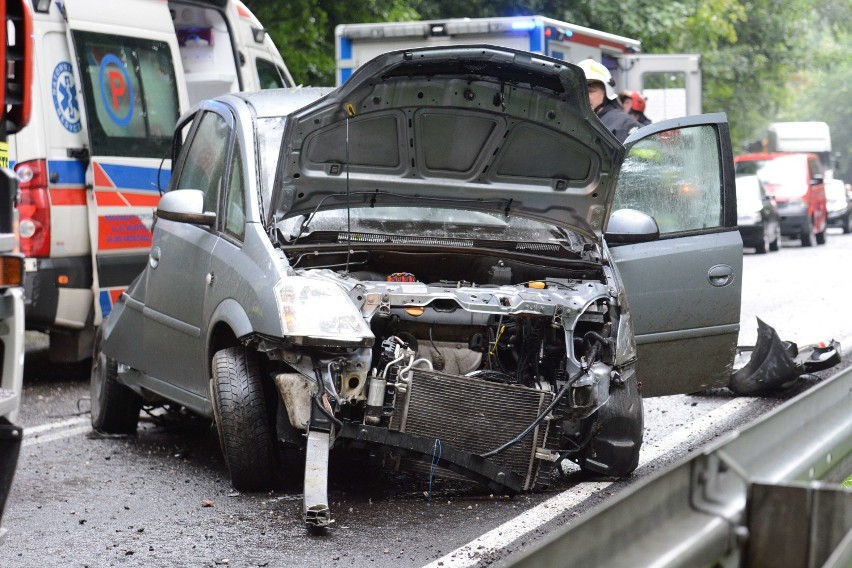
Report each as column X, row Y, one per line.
column 720, row 275
column 154, row 257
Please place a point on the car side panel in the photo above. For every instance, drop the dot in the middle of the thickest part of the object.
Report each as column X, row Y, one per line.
column 686, row 328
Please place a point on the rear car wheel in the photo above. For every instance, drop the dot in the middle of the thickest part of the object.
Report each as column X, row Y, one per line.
column 847, row 223
column 617, row 431
column 246, row 433
column 115, row 408
column 808, row 236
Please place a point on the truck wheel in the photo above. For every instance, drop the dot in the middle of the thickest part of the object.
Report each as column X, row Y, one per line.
column 246, row 433
column 808, row 236
column 115, row 408
column 617, row 431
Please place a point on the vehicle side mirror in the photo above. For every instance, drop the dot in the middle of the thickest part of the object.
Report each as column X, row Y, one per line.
column 627, row 226
column 185, row 206
column 817, row 179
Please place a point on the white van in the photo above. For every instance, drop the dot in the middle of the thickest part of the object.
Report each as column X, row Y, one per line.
column 110, row 81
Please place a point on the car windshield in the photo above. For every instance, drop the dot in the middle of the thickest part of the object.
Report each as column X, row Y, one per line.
column 418, row 224
column 784, row 176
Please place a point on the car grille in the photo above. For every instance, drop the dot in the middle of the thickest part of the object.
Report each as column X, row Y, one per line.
column 477, row 416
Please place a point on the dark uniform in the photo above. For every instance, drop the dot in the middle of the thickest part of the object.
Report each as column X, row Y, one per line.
column 616, row 120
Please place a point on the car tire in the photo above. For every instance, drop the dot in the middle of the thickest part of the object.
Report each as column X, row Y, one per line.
column 808, row 236
column 246, row 433
column 762, row 246
column 775, row 245
column 847, row 223
column 617, row 430
column 114, row 407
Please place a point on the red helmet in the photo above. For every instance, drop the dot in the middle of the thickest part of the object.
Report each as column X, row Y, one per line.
column 638, row 102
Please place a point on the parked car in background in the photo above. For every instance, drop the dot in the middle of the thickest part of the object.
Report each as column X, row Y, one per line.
column 423, row 263
column 797, row 183
column 757, row 215
column 838, row 197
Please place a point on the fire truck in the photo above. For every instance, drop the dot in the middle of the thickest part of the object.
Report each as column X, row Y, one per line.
column 15, row 104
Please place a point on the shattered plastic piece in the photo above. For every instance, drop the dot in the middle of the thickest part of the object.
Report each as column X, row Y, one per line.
column 775, row 364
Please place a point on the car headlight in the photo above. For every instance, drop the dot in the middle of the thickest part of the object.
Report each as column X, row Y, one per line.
column 625, row 347
column 316, row 312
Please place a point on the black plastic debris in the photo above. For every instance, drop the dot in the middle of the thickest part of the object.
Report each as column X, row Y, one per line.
column 774, row 365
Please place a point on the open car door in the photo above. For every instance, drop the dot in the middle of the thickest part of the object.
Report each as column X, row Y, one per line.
column 684, row 288
column 131, row 101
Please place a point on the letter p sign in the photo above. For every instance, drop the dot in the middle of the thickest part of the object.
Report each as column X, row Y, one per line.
column 116, row 90
column 118, row 87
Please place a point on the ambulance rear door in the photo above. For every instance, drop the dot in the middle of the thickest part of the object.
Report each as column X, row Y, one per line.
column 670, row 83
column 129, row 70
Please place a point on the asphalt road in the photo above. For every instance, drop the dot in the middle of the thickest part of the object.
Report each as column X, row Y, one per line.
column 162, row 498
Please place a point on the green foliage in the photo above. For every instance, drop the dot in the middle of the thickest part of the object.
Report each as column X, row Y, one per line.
column 758, row 56
column 303, row 30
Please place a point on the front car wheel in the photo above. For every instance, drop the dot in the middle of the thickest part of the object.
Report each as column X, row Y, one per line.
column 246, row 433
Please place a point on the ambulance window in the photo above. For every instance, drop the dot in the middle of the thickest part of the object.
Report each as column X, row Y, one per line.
column 130, row 94
column 270, row 76
column 204, row 163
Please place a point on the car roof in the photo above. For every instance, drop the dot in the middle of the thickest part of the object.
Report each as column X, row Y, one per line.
column 281, row 102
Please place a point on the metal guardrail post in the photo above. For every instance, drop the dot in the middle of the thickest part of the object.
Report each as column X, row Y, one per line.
column 703, row 511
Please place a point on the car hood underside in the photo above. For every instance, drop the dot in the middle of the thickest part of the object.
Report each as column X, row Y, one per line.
column 478, row 128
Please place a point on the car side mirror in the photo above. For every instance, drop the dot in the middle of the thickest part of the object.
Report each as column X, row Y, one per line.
column 185, row 206
column 627, row 226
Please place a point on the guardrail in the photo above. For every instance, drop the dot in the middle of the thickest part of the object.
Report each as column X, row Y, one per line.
column 768, row 495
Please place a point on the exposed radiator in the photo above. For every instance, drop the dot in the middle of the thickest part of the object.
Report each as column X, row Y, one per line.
column 476, row 416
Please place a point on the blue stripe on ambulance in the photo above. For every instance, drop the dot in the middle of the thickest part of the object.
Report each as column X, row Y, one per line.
column 137, row 177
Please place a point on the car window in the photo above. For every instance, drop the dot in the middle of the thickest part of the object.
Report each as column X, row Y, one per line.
column 674, row 176
column 269, row 75
column 235, row 217
column 205, row 158
column 130, row 92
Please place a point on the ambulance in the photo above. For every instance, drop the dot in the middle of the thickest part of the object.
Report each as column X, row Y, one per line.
column 670, row 83
column 110, row 81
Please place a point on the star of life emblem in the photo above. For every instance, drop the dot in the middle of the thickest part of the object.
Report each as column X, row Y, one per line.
column 64, row 92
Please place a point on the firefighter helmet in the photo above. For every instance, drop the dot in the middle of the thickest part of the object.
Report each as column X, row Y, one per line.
column 596, row 71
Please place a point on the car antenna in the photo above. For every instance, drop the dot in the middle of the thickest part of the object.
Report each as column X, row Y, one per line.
column 349, row 112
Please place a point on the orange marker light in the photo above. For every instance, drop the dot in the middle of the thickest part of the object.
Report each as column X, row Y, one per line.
column 416, row 311
column 537, row 285
column 62, row 280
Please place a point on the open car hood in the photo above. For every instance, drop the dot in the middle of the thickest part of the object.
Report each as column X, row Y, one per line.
column 475, row 127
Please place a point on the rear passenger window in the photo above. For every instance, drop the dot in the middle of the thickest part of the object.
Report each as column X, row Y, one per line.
column 674, row 176
column 130, row 94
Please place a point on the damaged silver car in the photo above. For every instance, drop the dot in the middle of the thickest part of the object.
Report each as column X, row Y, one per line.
column 418, row 263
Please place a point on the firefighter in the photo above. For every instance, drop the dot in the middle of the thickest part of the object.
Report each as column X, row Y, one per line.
column 633, row 104
column 604, row 100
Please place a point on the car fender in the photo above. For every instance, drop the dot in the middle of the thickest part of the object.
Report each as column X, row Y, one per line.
column 230, row 312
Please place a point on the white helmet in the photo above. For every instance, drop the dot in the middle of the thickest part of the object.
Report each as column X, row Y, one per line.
column 598, row 72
